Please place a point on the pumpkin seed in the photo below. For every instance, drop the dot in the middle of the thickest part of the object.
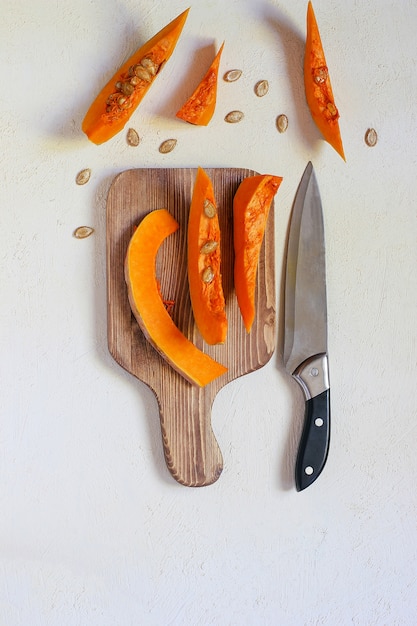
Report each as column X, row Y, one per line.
column 332, row 109
column 282, row 123
column 371, row 137
column 209, row 247
column 83, row 231
column 232, row 75
column 142, row 73
column 83, row 177
column 167, row 146
column 207, row 275
column 209, row 208
column 234, row 116
column 127, row 89
column 132, row 137
column 261, row 88
column 320, row 74
column 149, row 65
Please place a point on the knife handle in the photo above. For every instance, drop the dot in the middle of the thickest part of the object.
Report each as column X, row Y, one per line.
column 314, row 444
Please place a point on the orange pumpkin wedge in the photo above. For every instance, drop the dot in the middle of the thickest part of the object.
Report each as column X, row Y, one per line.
column 116, row 102
column 148, row 307
column 204, row 256
column 318, row 88
column 200, row 107
column 251, row 205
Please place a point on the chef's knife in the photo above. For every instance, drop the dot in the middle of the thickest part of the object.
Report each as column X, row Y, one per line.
column 305, row 340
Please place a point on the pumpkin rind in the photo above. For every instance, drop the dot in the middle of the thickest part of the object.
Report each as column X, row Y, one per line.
column 148, row 307
column 101, row 124
column 251, row 205
column 318, row 88
column 200, row 106
column 204, row 259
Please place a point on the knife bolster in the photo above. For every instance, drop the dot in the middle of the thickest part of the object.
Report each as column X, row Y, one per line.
column 313, row 375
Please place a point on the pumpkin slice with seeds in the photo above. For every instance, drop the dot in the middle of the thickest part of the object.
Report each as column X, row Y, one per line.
column 116, row 102
column 200, row 107
column 204, row 255
column 148, row 306
column 251, row 204
column 318, row 88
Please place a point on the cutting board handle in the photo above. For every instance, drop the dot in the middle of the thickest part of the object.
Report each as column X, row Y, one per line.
column 192, row 453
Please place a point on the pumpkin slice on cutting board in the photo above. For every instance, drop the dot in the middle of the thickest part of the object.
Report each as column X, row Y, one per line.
column 148, row 306
column 192, row 453
column 251, row 205
column 204, row 262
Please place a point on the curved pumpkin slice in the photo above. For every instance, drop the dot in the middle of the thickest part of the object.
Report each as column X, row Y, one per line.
column 199, row 108
column 117, row 101
column 251, row 205
column 318, row 88
column 149, row 309
column 204, row 277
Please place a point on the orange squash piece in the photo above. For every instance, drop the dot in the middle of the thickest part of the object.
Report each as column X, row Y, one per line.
column 148, row 306
column 116, row 102
column 251, row 205
column 318, row 88
column 204, row 256
column 200, row 107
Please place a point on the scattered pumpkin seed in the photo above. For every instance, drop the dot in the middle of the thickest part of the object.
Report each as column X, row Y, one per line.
column 261, row 88
column 83, row 231
column 132, row 137
column 282, row 123
column 207, row 275
column 209, row 208
column 83, row 177
column 209, row 247
column 371, row 137
column 167, row 146
column 233, row 117
column 232, row 75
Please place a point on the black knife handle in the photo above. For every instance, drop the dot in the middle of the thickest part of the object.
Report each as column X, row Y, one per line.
column 314, row 443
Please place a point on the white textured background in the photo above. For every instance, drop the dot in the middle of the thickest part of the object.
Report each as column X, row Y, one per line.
column 93, row 529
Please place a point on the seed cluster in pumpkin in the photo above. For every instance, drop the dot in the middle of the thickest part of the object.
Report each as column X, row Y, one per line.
column 130, row 83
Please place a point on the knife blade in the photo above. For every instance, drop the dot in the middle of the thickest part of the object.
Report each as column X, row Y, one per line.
column 305, row 337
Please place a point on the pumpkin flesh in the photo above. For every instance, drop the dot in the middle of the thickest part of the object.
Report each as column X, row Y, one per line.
column 318, row 88
column 116, row 102
column 149, row 309
column 251, row 205
column 204, row 258
column 200, row 107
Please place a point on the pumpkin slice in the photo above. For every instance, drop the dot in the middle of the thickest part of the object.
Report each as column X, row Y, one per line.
column 149, row 309
column 318, row 88
column 199, row 108
column 251, row 205
column 204, row 256
column 117, row 101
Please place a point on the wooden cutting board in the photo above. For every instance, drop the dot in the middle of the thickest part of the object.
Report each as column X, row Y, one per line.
column 192, row 453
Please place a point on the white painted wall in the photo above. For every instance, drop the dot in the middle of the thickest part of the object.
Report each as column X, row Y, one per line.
column 93, row 529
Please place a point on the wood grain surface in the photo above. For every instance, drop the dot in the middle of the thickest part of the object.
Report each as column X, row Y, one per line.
column 191, row 450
